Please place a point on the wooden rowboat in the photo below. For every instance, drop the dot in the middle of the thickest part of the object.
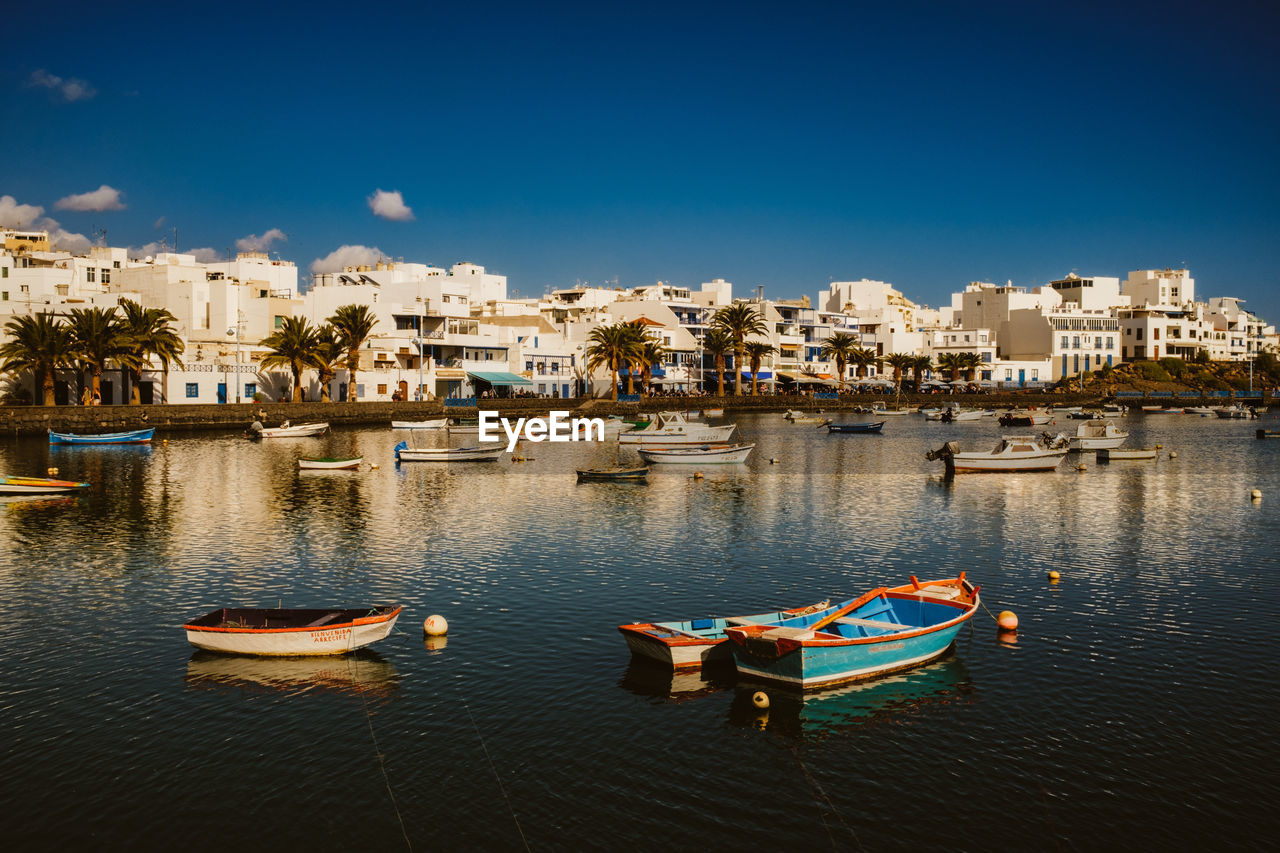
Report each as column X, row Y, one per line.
column 437, row 423
column 707, row 454
column 690, row 643
column 405, row 453
column 274, row 631
column 136, row 436
column 633, row 473
column 37, row 486
column 882, row 631
column 324, row 463
column 856, row 428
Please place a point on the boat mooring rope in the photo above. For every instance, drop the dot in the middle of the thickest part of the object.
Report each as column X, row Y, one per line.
column 382, row 764
column 501, row 787
column 822, row 793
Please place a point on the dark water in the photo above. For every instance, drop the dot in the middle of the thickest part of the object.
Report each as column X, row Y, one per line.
column 1136, row 709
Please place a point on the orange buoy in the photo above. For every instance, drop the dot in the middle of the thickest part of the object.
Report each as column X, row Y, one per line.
column 1053, row 574
column 1008, row 620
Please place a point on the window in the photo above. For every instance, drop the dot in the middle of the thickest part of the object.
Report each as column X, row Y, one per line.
column 462, row 300
column 1035, row 374
column 1008, row 373
column 382, row 389
column 90, row 274
column 4, row 272
column 445, row 299
column 1139, row 333
column 528, row 365
column 1065, row 342
column 193, row 390
column 4, row 296
column 1111, row 343
column 106, row 276
column 115, row 264
column 1075, row 342
column 279, row 322
column 251, row 389
column 1155, row 334
column 1097, row 343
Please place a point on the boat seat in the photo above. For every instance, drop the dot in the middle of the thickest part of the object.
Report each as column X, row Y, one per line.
column 326, row 619
column 947, row 592
column 872, row 623
column 739, row 622
column 660, row 629
column 783, row 632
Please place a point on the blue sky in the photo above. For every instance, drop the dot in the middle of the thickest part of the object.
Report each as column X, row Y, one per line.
column 783, row 145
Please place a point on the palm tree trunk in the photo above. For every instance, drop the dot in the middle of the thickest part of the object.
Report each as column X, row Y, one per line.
column 615, row 384
column 353, row 362
column 737, row 371
column 135, row 387
column 297, row 386
column 755, row 383
column 46, row 387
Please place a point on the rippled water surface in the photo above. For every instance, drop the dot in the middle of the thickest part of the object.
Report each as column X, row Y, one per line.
column 1136, row 708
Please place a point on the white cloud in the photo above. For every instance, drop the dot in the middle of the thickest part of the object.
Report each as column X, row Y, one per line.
column 70, row 89
column 390, row 205
column 205, row 255
column 347, row 256
column 202, row 256
column 14, row 215
column 103, row 198
column 254, row 243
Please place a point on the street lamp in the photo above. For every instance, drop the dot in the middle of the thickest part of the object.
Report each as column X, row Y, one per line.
column 235, row 330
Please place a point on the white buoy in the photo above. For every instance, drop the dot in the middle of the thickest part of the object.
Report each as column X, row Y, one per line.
column 373, row 466
column 760, row 699
column 1256, row 494
column 697, row 475
column 53, row 472
column 1173, row 454
column 435, row 626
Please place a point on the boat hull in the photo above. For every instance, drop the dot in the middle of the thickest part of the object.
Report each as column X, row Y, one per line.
column 852, row 649
column 693, row 436
column 37, row 486
column 1116, row 455
column 448, row 454
column 299, row 431
column 964, row 464
column 699, row 455
column 329, row 464
column 216, row 633
column 613, row 474
column 439, row 423
column 853, row 429
column 137, row 436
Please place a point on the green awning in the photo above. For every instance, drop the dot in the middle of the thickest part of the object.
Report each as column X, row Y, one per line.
column 499, row 378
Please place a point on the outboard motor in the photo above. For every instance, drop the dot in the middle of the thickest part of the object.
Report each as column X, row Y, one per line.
column 404, row 445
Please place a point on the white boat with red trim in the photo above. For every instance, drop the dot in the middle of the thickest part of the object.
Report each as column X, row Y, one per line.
column 689, row 643
column 882, row 631
column 673, row 429
column 706, row 454
column 281, row 631
column 287, row 430
column 37, row 486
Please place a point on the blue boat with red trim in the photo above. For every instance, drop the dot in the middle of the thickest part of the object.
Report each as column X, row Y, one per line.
column 886, row 629
column 135, row 436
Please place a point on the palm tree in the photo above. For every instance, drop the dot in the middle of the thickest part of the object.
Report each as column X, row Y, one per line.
column 40, row 343
column 864, row 359
column 147, row 332
column 293, row 345
column 613, row 347
column 717, row 344
column 951, row 362
column 970, row 362
column 919, row 365
column 899, row 361
column 652, row 352
column 354, row 324
column 98, row 336
column 757, row 352
column 329, row 355
column 739, row 320
column 841, row 347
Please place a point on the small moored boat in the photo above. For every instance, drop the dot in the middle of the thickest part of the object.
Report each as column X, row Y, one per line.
column 798, row 417
column 287, row 430
column 1117, row 454
column 637, row 472
column 1024, row 418
column 135, row 436
column 276, row 631
column 1097, row 435
column 684, row 644
column 1013, row 453
column 405, row 453
column 707, row 454
column 885, row 630
column 329, row 463
column 37, row 486
column 713, row 413
column 875, row 427
column 1269, row 433
column 436, row 423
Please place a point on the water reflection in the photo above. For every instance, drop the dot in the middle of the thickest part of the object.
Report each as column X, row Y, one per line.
column 887, row 700
column 649, row 678
column 363, row 672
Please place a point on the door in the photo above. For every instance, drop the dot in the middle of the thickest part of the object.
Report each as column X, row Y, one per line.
column 222, row 392
column 404, row 389
column 1022, row 377
column 108, row 392
column 147, row 393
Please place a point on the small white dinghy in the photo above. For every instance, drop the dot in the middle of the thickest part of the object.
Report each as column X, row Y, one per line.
column 278, row 631
column 287, row 430
column 705, row 455
column 437, row 423
column 405, row 453
column 325, row 463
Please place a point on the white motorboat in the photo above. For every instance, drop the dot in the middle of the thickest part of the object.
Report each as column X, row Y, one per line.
column 1114, row 410
column 706, row 455
column 405, row 453
column 1236, row 412
column 435, row 423
column 329, row 463
column 1201, row 410
column 796, row 416
column 287, row 430
column 1013, row 453
column 1097, row 435
column 673, row 428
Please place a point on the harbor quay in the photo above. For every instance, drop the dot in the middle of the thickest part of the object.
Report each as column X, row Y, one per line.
column 172, row 418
